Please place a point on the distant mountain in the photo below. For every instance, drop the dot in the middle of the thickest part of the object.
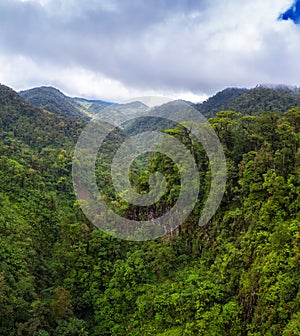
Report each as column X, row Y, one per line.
column 34, row 126
column 246, row 101
column 132, row 108
column 162, row 117
column 251, row 101
column 90, row 106
column 53, row 100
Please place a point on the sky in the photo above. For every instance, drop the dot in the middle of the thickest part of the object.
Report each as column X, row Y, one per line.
column 120, row 49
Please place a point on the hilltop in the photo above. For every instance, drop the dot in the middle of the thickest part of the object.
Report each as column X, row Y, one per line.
column 251, row 101
column 52, row 99
column 34, row 126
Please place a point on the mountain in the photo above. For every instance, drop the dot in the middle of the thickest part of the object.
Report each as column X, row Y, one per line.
column 91, row 106
column 246, row 101
column 162, row 117
column 33, row 126
column 220, row 101
column 251, row 101
column 55, row 101
column 51, row 99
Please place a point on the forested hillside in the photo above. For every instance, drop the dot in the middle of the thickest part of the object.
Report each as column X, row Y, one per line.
column 51, row 99
column 238, row 275
column 251, row 101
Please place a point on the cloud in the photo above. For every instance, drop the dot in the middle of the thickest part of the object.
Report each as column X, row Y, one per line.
column 114, row 48
column 293, row 13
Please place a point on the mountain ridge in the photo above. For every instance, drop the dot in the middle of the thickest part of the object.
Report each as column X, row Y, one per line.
column 251, row 101
column 262, row 98
column 39, row 127
column 53, row 100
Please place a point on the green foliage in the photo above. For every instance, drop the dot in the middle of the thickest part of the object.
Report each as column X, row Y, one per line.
column 251, row 102
column 238, row 275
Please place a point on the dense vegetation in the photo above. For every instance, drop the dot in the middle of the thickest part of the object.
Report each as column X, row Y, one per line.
column 238, row 275
column 251, row 101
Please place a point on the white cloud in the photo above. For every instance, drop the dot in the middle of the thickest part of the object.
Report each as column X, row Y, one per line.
column 120, row 49
column 76, row 81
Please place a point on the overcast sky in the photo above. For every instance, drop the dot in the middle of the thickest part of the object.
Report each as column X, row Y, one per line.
column 119, row 49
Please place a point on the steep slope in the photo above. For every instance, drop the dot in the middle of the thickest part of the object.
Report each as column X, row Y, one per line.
column 35, row 200
column 236, row 276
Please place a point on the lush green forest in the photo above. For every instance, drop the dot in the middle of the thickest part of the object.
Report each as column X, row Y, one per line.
column 238, row 275
column 251, row 101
